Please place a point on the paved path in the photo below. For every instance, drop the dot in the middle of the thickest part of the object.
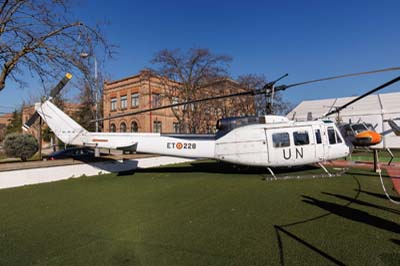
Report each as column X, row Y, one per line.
column 22, row 177
column 393, row 170
column 18, row 165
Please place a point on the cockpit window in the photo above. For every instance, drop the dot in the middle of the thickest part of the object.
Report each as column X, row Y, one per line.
column 359, row 128
column 301, row 138
column 334, row 136
column 331, row 135
column 281, row 140
column 370, row 127
column 338, row 139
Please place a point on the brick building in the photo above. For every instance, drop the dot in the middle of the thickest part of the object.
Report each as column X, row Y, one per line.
column 132, row 94
column 144, row 91
column 5, row 120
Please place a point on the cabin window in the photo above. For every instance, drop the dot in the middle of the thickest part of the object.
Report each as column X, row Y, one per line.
column 331, row 135
column 301, row 138
column 281, row 140
column 318, row 136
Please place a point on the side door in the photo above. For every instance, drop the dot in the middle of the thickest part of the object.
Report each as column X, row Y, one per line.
column 279, row 147
column 320, row 142
column 304, row 145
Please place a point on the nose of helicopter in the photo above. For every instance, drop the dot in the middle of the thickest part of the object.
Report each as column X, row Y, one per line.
column 368, row 138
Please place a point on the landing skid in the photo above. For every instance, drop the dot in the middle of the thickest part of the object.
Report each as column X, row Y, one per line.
column 327, row 174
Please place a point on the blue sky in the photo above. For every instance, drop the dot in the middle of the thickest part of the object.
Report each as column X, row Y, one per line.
column 307, row 39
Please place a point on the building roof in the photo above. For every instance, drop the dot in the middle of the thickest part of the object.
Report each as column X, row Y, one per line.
column 6, row 118
column 386, row 103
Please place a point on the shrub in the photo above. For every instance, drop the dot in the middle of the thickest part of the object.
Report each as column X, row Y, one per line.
column 23, row 146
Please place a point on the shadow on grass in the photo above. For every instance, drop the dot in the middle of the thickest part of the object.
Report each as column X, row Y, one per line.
column 364, row 173
column 396, row 241
column 225, row 168
column 303, row 242
column 281, row 229
column 354, row 214
column 378, row 195
column 363, row 203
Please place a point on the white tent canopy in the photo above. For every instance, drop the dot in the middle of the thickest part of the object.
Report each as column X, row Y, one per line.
column 373, row 109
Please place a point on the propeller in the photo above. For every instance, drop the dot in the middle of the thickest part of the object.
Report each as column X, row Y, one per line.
column 268, row 89
column 53, row 93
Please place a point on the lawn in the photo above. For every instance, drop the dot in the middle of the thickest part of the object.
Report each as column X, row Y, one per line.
column 384, row 156
column 200, row 214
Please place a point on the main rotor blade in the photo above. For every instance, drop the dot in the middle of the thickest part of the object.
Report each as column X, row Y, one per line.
column 264, row 90
column 180, row 104
column 56, row 90
column 363, row 96
column 284, row 87
column 53, row 93
column 30, row 121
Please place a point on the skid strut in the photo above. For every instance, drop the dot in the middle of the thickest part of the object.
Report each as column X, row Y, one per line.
column 272, row 173
column 326, row 170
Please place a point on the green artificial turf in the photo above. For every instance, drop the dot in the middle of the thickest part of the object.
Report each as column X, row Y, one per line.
column 200, row 214
column 384, row 156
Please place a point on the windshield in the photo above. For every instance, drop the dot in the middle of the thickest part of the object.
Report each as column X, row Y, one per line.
column 359, row 128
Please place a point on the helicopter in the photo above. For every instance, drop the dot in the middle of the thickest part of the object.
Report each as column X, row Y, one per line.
column 267, row 141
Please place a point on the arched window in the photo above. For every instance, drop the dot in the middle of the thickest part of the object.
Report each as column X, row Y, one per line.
column 134, row 127
column 122, row 127
column 112, row 128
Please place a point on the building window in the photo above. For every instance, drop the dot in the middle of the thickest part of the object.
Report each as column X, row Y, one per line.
column 176, row 126
column 122, row 127
column 135, row 100
column 113, row 104
column 124, row 102
column 134, row 127
column 112, row 128
column 175, row 100
column 155, row 100
column 157, row 126
column 281, row 140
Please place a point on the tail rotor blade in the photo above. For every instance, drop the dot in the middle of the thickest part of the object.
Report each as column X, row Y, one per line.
column 56, row 90
column 30, row 121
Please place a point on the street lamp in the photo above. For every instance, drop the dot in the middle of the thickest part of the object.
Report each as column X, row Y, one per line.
column 86, row 55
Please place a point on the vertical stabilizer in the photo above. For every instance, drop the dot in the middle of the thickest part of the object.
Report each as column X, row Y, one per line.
column 63, row 126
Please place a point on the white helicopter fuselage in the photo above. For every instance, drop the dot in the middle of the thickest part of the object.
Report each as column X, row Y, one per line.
column 276, row 143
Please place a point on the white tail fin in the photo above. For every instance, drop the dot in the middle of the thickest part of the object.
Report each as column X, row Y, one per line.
column 63, row 126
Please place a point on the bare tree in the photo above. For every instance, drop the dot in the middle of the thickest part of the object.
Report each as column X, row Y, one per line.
column 256, row 82
column 42, row 37
column 190, row 72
